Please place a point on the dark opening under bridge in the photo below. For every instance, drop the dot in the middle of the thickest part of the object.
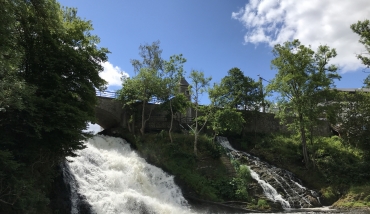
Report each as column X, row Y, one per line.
column 109, row 112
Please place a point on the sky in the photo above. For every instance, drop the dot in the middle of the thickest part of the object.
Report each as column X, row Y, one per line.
column 215, row 36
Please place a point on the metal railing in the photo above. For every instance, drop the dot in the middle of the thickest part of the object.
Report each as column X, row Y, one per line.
column 114, row 95
column 107, row 94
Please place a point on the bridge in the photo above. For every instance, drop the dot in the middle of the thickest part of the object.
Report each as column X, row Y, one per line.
column 109, row 111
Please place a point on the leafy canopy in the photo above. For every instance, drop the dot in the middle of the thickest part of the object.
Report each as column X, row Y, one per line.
column 49, row 69
column 303, row 81
column 236, row 91
column 362, row 28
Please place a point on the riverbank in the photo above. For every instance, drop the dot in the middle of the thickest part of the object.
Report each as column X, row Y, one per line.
column 208, row 176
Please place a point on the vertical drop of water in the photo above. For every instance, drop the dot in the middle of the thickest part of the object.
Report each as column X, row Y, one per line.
column 114, row 179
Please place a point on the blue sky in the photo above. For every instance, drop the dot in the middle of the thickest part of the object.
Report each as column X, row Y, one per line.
column 215, row 36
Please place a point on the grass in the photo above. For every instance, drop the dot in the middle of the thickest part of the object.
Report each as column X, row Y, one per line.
column 335, row 165
column 356, row 197
column 203, row 176
column 208, row 176
column 338, row 170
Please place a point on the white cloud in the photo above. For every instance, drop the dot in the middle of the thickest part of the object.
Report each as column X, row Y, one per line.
column 313, row 22
column 112, row 74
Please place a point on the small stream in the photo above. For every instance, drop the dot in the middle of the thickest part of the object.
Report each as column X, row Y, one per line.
column 278, row 185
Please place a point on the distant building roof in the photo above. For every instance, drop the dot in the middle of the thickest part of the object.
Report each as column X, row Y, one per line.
column 183, row 82
column 352, row 89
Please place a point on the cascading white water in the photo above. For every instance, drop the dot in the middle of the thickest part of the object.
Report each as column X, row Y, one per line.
column 292, row 194
column 270, row 192
column 114, row 179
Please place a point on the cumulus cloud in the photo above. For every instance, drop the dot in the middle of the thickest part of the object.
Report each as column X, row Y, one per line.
column 112, row 74
column 313, row 22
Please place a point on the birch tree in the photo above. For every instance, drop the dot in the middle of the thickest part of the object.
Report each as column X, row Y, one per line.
column 199, row 85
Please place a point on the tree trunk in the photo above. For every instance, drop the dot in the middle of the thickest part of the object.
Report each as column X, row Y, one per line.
column 169, row 131
column 195, row 144
column 313, row 149
column 196, row 131
column 303, row 139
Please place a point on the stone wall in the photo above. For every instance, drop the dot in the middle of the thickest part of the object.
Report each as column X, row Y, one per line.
column 267, row 123
column 262, row 123
column 110, row 113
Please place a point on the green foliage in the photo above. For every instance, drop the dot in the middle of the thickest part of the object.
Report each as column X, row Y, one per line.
column 303, row 81
column 173, row 73
column 237, row 91
column 353, row 118
column 204, row 174
column 362, row 28
column 199, row 85
column 226, row 119
column 148, row 84
column 49, row 69
column 179, row 104
column 215, row 150
column 336, row 164
column 356, row 197
column 240, row 182
column 151, row 57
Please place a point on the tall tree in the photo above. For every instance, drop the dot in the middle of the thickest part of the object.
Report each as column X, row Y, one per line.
column 199, row 85
column 173, row 72
column 12, row 87
column 225, row 116
column 52, row 52
column 147, row 84
column 150, row 57
column 303, row 77
column 238, row 91
column 362, row 28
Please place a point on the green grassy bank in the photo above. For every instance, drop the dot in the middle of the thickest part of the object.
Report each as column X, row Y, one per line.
column 208, row 176
column 338, row 170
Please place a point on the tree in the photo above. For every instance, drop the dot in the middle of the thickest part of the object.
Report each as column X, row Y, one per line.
column 173, row 72
column 303, row 78
column 147, row 84
column 238, row 91
column 353, row 118
column 151, row 57
column 226, row 119
column 224, row 116
column 199, row 85
column 363, row 30
column 12, row 87
column 52, row 63
column 143, row 87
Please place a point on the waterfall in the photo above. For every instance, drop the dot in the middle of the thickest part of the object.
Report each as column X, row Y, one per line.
column 278, row 185
column 114, row 179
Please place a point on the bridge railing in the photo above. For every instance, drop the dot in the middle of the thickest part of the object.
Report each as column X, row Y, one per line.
column 108, row 94
column 114, row 95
